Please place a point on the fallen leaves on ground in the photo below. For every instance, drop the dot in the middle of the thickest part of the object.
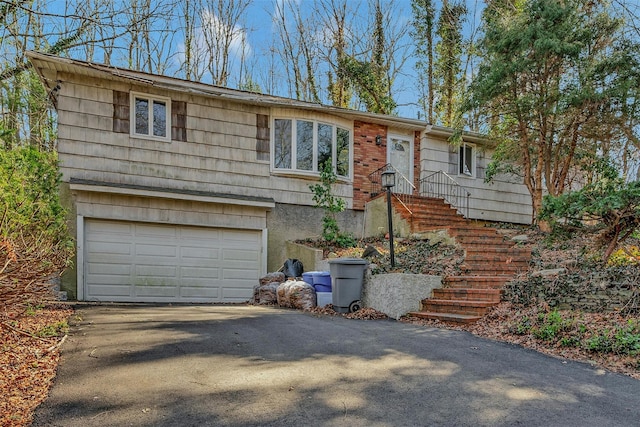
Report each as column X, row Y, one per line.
column 500, row 324
column 366, row 313
column 28, row 359
column 411, row 255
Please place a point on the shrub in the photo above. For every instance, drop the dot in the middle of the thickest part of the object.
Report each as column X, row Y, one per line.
column 550, row 325
column 34, row 242
column 323, row 198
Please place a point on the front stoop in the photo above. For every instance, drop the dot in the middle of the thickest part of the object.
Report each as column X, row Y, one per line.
column 491, row 260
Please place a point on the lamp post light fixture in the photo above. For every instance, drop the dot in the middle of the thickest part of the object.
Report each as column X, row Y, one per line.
column 388, row 182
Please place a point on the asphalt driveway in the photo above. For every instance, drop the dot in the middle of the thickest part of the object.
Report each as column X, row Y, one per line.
column 261, row 366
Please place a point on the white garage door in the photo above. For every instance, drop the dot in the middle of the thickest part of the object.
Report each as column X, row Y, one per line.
column 143, row 262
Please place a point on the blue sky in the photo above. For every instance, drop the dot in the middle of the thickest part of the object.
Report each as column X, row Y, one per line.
column 259, row 28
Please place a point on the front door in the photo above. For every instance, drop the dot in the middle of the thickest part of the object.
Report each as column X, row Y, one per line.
column 400, row 155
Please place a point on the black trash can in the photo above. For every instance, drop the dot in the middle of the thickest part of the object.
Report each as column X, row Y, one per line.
column 347, row 275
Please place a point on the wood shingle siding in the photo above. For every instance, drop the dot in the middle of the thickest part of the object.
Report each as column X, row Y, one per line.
column 219, row 154
column 504, row 199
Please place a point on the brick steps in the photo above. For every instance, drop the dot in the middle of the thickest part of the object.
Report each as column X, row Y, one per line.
column 467, row 294
column 471, row 307
column 491, row 260
column 476, row 282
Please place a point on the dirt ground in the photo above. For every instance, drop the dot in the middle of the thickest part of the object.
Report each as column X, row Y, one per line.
column 29, row 358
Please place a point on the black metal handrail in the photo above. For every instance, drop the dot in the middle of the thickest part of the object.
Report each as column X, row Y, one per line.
column 441, row 186
column 402, row 190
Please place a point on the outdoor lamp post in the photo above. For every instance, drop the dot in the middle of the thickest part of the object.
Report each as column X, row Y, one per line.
column 389, row 181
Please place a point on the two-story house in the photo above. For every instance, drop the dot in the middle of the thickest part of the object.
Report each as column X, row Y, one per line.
column 181, row 191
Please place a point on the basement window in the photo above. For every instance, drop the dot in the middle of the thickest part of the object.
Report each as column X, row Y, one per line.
column 150, row 117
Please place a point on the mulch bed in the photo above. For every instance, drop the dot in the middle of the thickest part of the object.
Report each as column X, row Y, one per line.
column 29, row 353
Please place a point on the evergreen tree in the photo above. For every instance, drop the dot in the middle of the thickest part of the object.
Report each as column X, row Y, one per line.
column 558, row 81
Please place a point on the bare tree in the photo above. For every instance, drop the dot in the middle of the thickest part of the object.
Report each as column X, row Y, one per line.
column 298, row 49
column 222, row 34
column 73, row 28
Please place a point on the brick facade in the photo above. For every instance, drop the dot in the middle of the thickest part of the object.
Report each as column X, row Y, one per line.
column 369, row 157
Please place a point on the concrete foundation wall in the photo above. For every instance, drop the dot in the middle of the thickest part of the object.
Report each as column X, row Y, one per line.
column 376, row 222
column 397, row 294
column 294, row 222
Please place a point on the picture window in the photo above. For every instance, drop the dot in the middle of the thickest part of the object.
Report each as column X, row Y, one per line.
column 304, row 146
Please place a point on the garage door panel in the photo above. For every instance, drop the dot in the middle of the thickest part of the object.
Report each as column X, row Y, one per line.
column 239, row 237
column 115, row 269
column 110, row 228
column 235, row 294
column 156, row 291
column 109, row 290
column 155, row 271
column 105, row 247
column 238, row 275
column 156, row 231
column 196, row 272
column 156, row 250
column 200, row 253
column 240, row 256
column 111, row 280
column 158, row 262
column 212, row 236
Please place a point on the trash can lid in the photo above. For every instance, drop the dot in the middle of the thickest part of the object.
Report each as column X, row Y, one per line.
column 352, row 261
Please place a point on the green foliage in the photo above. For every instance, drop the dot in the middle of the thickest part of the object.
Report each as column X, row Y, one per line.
column 423, row 25
column 54, row 330
column 34, row 243
column 557, row 85
column 523, row 326
column 566, row 329
column 625, row 256
column 29, row 200
column 550, row 325
column 369, row 78
column 448, row 75
column 370, row 87
column 609, row 204
column 599, row 343
column 33, row 309
column 623, row 340
column 323, row 198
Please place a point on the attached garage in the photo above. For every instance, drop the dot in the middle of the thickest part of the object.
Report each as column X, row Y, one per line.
column 128, row 261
